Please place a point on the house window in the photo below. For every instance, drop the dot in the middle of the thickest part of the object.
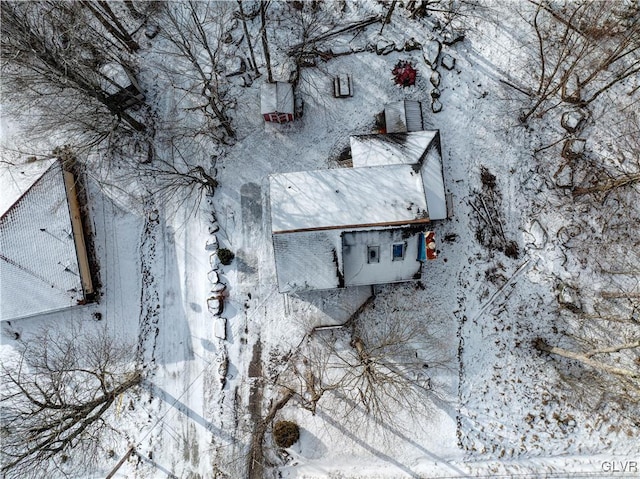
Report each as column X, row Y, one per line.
column 398, row 251
column 373, row 254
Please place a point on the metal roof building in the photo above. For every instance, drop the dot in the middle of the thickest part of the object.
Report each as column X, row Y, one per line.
column 403, row 116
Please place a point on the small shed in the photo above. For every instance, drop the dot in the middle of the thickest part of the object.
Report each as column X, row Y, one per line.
column 277, row 102
column 403, row 116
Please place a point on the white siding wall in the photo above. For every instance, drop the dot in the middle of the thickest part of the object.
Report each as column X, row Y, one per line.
column 359, row 271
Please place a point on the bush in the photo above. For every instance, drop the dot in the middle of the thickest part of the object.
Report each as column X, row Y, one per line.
column 286, row 433
column 404, row 74
column 225, row 256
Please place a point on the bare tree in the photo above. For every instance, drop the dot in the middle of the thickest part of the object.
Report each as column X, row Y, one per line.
column 105, row 15
column 57, row 392
column 183, row 171
column 247, row 36
column 598, row 356
column 616, row 170
column 58, row 61
column 381, row 364
column 264, row 5
column 583, row 49
column 196, row 31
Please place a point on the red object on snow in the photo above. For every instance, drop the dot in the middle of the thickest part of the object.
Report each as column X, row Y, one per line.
column 430, row 244
column 404, row 73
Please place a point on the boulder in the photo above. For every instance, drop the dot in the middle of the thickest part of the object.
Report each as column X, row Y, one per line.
column 564, row 176
column 412, row 44
column 436, row 106
column 451, row 37
column 571, row 91
column 220, row 328
column 337, row 50
column 211, row 244
column 573, row 120
column 573, row 148
column 536, row 235
column 435, row 93
column 384, row 47
column 213, row 277
column 223, row 368
column 218, row 289
column 215, row 306
column 448, row 62
column 569, row 298
column 431, row 51
column 435, row 78
column 151, row 31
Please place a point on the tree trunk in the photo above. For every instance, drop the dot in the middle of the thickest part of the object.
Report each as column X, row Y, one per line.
column 256, row 454
column 387, row 19
column 609, row 185
column 116, row 29
column 246, row 35
column 263, row 35
column 586, row 359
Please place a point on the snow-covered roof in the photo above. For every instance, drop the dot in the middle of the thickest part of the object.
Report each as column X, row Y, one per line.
column 307, row 260
column 390, row 149
column 16, row 180
column 38, row 262
column 276, row 97
column 346, row 198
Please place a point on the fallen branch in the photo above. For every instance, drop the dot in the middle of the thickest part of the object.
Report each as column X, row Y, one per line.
column 541, row 345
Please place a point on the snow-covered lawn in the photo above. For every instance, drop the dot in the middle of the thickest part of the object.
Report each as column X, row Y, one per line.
column 494, row 405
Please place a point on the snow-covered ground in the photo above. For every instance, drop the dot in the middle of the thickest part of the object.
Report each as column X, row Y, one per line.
column 496, row 407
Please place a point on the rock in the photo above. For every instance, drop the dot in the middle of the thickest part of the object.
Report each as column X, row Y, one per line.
column 211, row 244
column 214, row 261
column 215, row 306
column 435, row 78
column 436, row 106
column 220, row 328
column 151, row 31
column 564, row 176
column 223, row 368
column 571, row 91
column 411, row 45
column 448, row 62
column 569, row 298
column 213, row 277
column 337, row 50
column 218, row 288
column 572, row 120
column 451, row 37
column 536, row 235
column 573, row 148
column 435, row 93
column 431, row 51
column 384, row 47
